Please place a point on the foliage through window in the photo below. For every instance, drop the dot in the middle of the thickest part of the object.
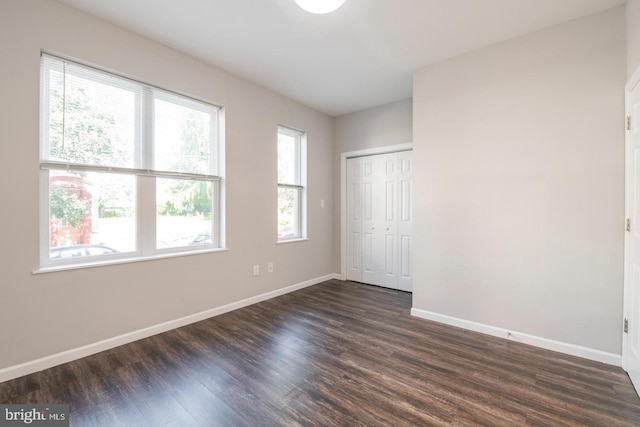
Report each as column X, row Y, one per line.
column 129, row 169
column 291, row 184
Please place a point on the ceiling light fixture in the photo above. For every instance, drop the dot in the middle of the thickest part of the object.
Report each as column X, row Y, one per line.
column 320, row 6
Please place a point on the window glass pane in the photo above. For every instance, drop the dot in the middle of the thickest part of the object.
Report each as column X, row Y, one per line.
column 90, row 121
column 288, row 159
column 183, row 213
column 288, row 213
column 182, row 138
column 91, row 214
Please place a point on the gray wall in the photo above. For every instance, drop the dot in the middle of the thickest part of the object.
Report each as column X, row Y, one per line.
column 389, row 124
column 48, row 313
column 519, row 183
column 633, row 36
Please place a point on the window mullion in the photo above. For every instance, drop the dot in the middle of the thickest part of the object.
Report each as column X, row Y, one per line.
column 147, row 184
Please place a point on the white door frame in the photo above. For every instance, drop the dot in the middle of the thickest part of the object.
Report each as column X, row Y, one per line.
column 343, row 193
column 631, row 84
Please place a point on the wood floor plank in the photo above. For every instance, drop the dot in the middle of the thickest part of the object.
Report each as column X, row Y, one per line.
column 333, row 354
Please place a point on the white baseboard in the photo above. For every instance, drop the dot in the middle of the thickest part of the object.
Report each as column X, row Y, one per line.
column 37, row 365
column 561, row 347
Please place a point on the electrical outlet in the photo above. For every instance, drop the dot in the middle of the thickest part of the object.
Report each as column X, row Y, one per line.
column 270, row 267
column 322, row 203
column 256, row 270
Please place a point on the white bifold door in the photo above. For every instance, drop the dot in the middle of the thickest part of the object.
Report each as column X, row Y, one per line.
column 379, row 221
column 631, row 325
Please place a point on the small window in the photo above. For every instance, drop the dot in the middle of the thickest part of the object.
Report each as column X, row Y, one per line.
column 128, row 169
column 291, row 184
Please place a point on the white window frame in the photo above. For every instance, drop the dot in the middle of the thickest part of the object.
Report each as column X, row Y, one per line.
column 300, row 186
column 143, row 171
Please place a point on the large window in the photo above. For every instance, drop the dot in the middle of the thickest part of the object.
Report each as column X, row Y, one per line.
column 291, row 184
column 127, row 169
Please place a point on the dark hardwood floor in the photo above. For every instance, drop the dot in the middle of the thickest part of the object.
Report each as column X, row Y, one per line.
column 333, row 354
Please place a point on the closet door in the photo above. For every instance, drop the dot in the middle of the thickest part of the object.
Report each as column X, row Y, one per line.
column 364, row 228
column 371, row 220
column 354, row 219
column 387, row 210
column 379, row 220
column 405, row 221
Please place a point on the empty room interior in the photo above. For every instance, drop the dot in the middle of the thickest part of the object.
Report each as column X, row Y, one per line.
column 267, row 212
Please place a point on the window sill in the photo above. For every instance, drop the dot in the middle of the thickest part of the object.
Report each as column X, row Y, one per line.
column 102, row 263
column 283, row 242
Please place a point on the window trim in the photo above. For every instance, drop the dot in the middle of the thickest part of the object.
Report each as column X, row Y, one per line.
column 144, row 171
column 301, row 172
column 98, row 261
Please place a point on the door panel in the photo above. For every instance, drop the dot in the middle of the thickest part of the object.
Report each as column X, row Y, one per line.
column 356, row 210
column 390, row 207
column 356, row 247
column 390, row 257
column 405, row 202
column 367, row 258
column 405, row 257
column 368, row 201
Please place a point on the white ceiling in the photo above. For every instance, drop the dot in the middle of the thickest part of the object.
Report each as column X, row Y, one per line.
column 358, row 57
